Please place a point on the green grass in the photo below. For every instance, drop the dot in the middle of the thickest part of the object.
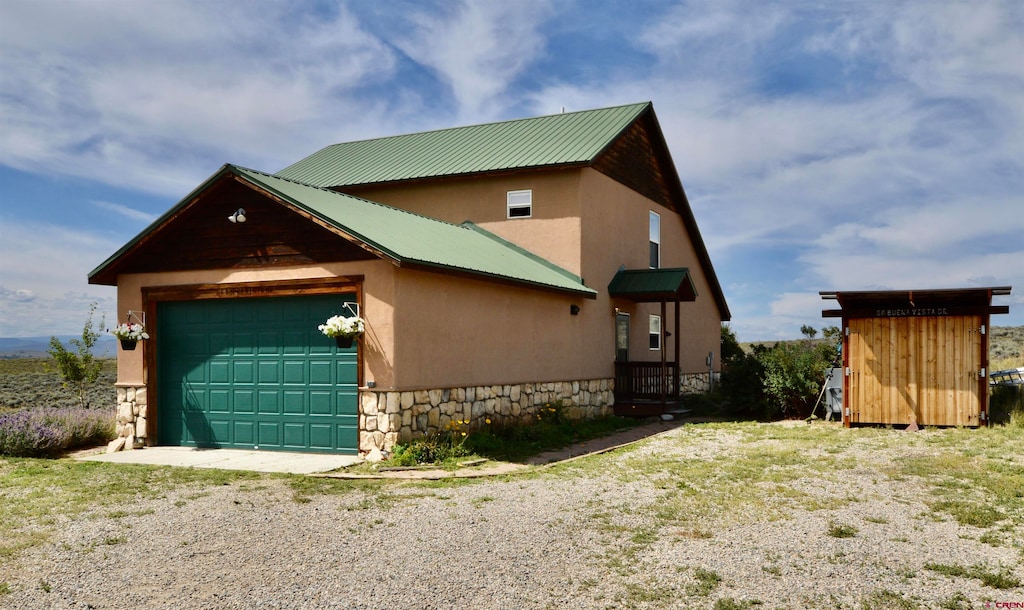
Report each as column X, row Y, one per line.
column 1002, row 578
column 889, row 600
column 841, row 530
column 704, row 582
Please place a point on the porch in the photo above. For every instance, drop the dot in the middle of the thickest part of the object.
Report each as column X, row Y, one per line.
column 644, row 389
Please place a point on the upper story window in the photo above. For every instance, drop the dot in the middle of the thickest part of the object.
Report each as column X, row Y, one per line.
column 654, row 332
column 519, row 204
column 655, row 240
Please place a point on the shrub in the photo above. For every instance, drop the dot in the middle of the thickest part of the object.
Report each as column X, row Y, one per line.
column 434, row 448
column 783, row 380
column 1006, row 405
column 741, row 387
column 48, row 432
column 549, row 428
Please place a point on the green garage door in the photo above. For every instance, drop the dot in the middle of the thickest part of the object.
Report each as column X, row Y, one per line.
column 255, row 374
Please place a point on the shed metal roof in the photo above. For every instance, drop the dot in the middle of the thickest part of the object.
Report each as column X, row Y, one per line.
column 921, row 302
column 560, row 139
column 401, row 236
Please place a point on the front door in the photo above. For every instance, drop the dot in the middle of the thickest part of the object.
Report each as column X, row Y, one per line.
column 621, row 337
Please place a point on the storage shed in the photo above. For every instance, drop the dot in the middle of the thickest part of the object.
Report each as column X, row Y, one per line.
column 916, row 356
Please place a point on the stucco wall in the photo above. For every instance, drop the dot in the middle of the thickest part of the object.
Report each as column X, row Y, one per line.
column 461, row 332
column 378, row 306
column 615, row 233
column 553, row 230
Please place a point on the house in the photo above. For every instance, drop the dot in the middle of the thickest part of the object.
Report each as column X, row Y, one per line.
column 498, row 267
column 916, row 357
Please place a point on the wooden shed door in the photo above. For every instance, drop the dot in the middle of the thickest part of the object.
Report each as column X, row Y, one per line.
column 921, row 368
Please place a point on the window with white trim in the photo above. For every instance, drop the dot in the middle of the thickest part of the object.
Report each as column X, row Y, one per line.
column 655, row 333
column 655, row 240
column 519, row 204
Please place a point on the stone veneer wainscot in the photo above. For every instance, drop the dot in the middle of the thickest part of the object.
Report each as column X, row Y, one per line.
column 131, row 416
column 390, row 417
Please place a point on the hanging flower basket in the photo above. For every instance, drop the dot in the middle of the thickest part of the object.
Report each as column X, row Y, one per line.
column 344, row 330
column 130, row 335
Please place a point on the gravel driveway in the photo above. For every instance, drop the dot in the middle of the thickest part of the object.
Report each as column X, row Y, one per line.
column 619, row 530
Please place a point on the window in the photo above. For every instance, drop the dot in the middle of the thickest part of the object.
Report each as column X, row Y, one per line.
column 655, row 237
column 519, row 204
column 655, row 332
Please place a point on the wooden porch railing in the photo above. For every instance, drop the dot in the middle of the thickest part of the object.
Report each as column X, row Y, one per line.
column 645, row 381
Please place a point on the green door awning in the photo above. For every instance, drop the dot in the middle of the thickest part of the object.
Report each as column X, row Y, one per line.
column 653, row 285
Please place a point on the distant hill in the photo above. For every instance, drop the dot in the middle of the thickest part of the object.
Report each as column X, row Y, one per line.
column 1004, row 343
column 35, row 347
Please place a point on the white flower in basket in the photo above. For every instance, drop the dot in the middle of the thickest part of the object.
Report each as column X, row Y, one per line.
column 340, row 326
column 130, row 332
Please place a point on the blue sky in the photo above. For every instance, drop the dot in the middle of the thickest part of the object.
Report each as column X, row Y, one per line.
column 823, row 145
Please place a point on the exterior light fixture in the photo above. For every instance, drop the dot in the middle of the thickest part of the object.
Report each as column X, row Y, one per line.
column 238, row 216
column 574, row 310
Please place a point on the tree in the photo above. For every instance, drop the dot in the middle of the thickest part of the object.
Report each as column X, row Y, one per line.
column 79, row 369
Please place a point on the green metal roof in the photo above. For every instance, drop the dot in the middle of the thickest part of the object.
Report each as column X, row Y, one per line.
column 401, row 236
column 560, row 139
column 651, row 285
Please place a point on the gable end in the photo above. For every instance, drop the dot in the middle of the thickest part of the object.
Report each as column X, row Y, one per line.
column 640, row 161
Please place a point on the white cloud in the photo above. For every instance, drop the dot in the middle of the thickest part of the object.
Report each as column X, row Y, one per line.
column 43, row 287
column 155, row 96
column 478, row 48
column 125, row 211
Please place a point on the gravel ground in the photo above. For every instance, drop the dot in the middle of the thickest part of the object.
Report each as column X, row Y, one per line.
column 587, row 537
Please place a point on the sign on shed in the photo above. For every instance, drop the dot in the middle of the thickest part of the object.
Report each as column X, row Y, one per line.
column 916, row 356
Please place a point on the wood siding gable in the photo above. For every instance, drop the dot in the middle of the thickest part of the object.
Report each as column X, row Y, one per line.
column 200, row 236
column 639, row 159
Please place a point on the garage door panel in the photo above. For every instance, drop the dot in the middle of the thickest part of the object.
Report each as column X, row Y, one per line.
column 268, row 433
column 195, row 344
column 243, row 401
column 244, row 371
column 269, row 343
column 321, row 402
column 243, row 433
column 295, row 402
column 321, row 436
column 269, row 372
column 268, row 402
column 219, row 342
column 243, row 343
column 255, row 373
column 242, row 315
column 295, row 435
column 219, row 401
column 196, row 375
column 220, row 371
column 346, row 399
column 321, row 372
column 345, row 371
column 294, row 342
column 220, row 429
column 294, row 372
